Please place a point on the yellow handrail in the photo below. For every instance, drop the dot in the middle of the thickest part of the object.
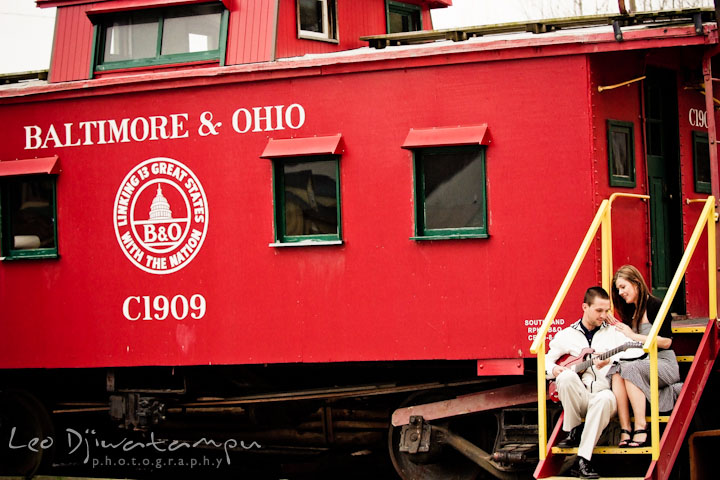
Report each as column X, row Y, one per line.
column 707, row 219
column 538, row 346
column 602, row 217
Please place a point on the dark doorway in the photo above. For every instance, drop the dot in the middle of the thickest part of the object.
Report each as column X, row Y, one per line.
column 663, row 167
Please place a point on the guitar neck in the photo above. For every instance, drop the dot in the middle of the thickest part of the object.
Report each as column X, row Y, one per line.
column 610, row 353
column 580, row 367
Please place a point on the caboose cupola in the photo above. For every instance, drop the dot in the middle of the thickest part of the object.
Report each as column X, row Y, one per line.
column 131, row 37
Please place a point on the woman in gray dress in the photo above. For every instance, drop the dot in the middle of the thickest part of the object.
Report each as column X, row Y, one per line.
column 637, row 310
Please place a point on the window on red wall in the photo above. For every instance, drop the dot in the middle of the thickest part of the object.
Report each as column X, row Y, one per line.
column 307, row 199
column 403, row 17
column 450, row 196
column 450, row 187
column 177, row 34
column 701, row 162
column 306, row 186
column 621, row 153
column 28, row 214
column 317, row 19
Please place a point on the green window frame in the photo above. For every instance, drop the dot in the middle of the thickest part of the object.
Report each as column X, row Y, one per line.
column 317, row 20
column 458, row 172
column 621, row 153
column 701, row 162
column 409, row 16
column 28, row 216
column 306, row 191
column 155, row 35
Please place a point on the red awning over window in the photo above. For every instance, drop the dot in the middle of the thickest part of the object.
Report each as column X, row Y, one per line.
column 447, row 136
column 127, row 5
column 30, row 166
column 299, row 147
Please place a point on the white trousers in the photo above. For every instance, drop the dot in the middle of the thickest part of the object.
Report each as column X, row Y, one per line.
column 597, row 409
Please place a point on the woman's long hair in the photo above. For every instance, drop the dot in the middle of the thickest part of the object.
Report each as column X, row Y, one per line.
column 630, row 314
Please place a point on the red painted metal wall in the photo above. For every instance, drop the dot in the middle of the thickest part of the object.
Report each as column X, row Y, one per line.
column 379, row 296
column 72, row 46
column 427, row 20
column 251, row 31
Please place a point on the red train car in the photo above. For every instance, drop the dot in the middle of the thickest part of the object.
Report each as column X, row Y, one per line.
column 234, row 212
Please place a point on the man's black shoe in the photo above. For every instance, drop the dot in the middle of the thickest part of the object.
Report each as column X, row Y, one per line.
column 573, row 438
column 583, row 469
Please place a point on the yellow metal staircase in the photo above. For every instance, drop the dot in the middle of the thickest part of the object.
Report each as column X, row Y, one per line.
column 659, row 457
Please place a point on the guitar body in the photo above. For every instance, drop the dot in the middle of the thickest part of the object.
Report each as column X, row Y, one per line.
column 568, row 361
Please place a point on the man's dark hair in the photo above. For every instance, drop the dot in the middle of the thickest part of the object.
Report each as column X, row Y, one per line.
column 593, row 292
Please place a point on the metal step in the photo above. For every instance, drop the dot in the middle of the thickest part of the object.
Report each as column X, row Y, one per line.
column 661, row 418
column 692, row 329
column 682, row 324
column 605, row 451
column 648, row 419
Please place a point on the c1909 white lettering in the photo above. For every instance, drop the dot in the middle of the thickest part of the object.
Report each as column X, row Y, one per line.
column 697, row 118
column 161, row 307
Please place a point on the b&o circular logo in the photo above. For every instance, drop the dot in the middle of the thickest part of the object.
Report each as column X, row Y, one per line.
column 160, row 215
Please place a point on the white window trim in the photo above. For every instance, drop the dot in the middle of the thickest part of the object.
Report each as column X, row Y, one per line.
column 326, row 33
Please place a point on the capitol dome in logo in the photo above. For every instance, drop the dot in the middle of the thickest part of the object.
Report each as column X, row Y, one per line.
column 160, row 208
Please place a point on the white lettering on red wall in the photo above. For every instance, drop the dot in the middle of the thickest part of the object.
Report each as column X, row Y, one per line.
column 160, row 307
column 533, row 325
column 697, row 118
column 162, row 127
column 267, row 119
column 101, row 132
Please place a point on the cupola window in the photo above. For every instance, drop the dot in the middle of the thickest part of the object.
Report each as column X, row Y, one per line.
column 180, row 34
column 402, row 17
column 317, row 19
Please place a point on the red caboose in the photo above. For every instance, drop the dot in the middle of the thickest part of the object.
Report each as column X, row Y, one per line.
column 222, row 207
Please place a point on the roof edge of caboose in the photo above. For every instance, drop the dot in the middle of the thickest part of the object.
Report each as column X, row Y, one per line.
column 481, row 49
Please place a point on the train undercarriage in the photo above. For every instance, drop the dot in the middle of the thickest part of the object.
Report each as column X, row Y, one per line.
column 282, row 419
column 298, row 421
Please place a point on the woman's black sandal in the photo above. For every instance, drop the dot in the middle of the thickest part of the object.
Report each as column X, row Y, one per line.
column 625, row 443
column 644, row 443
